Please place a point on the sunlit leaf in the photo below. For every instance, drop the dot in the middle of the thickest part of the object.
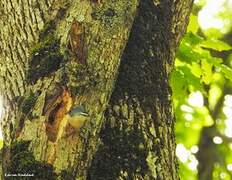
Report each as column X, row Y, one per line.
column 178, row 83
column 1, row 144
column 192, row 80
column 197, row 70
column 193, row 24
column 192, row 39
column 227, row 71
column 207, row 71
column 216, row 45
column 187, row 54
column 213, row 32
column 215, row 93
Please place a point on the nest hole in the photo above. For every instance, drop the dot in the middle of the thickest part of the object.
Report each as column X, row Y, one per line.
column 56, row 115
column 52, row 115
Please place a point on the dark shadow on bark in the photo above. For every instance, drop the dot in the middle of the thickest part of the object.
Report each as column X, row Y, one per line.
column 119, row 153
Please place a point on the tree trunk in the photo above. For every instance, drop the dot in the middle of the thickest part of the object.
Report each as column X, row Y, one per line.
column 56, row 55
column 138, row 138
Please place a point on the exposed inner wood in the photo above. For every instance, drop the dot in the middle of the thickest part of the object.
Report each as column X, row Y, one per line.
column 57, row 116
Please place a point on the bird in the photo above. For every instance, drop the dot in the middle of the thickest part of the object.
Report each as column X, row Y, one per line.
column 77, row 117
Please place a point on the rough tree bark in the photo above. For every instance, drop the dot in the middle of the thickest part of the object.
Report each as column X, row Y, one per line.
column 138, row 138
column 57, row 54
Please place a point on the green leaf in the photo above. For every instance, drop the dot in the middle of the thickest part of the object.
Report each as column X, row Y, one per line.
column 227, row 71
column 178, row 84
column 213, row 32
column 1, row 144
column 216, row 45
column 207, row 71
column 192, row 81
column 192, row 39
column 196, row 70
column 187, row 54
column 215, row 61
column 193, row 24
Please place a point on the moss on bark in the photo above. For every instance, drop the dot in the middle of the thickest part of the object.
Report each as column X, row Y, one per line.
column 45, row 55
column 22, row 161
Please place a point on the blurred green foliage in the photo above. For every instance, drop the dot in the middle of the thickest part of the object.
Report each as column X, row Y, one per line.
column 202, row 94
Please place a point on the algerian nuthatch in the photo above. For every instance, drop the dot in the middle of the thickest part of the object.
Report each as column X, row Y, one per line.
column 77, row 117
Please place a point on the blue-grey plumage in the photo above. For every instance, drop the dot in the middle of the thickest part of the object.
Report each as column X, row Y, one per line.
column 77, row 117
column 79, row 110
